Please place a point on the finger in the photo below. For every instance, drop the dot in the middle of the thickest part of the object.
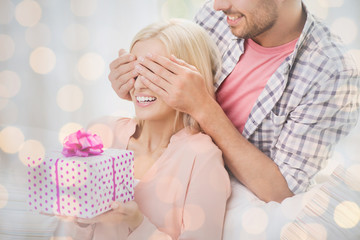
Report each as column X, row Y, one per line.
column 156, row 68
column 115, row 205
column 123, row 208
column 88, row 220
column 154, row 87
column 128, row 209
column 154, row 78
column 123, row 59
column 182, row 62
column 166, row 63
column 121, row 52
column 125, row 89
column 123, row 73
column 47, row 214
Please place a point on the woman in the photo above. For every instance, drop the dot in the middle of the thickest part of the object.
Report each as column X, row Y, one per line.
column 182, row 184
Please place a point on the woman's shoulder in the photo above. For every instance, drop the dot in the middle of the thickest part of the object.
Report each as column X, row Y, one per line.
column 200, row 144
column 112, row 122
column 114, row 130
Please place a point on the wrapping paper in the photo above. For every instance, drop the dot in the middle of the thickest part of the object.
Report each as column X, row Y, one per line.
column 80, row 186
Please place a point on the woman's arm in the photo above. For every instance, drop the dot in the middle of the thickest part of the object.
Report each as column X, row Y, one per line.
column 206, row 196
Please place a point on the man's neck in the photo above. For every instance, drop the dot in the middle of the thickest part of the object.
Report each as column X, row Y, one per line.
column 289, row 25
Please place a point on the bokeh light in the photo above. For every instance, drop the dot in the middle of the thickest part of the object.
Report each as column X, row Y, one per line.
column 7, row 47
column 70, row 98
column 348, row 33
column 67, row 129
column 347, row 214
column 4, row 196
column 31, row 151
column 38, row 35
column 28, row 13
column 194, row 216
column 6, row 11
column 42, row 60
column 254, row 220
column 9, row 84
column 169, row 216
column 76, row 37
column 317, row 230
column 83, row 8
column 105, row 133
column 11, row 139
column 91, row 66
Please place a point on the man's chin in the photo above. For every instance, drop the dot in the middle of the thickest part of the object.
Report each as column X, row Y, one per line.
column 237, row 33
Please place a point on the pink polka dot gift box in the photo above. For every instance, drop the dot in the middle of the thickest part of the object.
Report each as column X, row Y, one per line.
column 82, row 180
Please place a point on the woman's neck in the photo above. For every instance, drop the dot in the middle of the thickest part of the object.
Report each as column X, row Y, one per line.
column 153, row 136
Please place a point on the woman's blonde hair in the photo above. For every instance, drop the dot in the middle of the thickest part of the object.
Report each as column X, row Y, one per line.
column 190, row 42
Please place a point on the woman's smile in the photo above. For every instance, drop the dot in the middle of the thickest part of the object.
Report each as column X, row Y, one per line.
column 144, row 101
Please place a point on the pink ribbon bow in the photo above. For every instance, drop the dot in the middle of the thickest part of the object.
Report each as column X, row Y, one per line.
column 82, row 144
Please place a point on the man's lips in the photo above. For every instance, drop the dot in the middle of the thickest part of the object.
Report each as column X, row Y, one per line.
column 233, row 20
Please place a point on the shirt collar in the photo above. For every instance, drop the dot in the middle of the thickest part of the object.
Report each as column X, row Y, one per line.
column 309, row 23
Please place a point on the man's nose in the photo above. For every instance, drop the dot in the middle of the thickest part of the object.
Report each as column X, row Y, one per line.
column 222, row 5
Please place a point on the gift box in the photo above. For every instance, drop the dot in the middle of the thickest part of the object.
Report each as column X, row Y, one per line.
column 81, row 186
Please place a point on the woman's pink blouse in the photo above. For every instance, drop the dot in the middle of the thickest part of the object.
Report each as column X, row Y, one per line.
column 183, row 195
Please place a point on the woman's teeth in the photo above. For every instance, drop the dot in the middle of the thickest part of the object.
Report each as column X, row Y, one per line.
column 145, row 99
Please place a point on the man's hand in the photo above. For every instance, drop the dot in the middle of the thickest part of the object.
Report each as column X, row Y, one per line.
column 128, row 213
column 178, row 83
column 122, row 74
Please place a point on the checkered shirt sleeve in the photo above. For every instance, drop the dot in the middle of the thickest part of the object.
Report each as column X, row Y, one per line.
column 308, row 105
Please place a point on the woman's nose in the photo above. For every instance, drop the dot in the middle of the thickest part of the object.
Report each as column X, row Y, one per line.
column 139, row 82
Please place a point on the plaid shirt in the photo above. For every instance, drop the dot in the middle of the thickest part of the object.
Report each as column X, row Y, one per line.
column 309, row 103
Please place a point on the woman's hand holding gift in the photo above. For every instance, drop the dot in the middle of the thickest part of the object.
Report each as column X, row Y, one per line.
column 128, row 213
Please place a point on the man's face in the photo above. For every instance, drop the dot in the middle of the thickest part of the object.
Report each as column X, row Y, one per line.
column 248, row 18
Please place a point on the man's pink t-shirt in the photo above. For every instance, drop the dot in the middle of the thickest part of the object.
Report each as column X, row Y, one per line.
column 239, row 91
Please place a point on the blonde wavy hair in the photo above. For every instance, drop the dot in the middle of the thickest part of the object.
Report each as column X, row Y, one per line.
column 187, row 41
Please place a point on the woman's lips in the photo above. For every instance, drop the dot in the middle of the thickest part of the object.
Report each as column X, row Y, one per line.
column 145, row 100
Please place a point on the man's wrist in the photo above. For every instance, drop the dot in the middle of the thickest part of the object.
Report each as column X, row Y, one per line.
column 205, row 111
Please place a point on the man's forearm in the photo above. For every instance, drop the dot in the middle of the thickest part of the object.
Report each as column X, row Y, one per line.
column 248, row 164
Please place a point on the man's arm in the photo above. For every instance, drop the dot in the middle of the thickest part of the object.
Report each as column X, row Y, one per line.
column 247, row 163
column 183, row 88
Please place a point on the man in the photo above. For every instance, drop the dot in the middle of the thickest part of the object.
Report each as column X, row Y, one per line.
column 287, row 92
